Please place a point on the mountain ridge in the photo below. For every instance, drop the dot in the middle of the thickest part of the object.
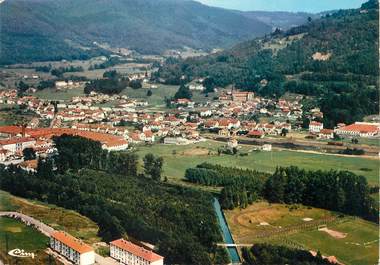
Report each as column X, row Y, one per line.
column 333, row 59
column 36, row 30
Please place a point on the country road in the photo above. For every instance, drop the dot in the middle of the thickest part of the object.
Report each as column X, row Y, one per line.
column 43, row 228
column 47, row 231
column 299, row 145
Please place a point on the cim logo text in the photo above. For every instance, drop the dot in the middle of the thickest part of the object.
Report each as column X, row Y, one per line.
column 20, row 253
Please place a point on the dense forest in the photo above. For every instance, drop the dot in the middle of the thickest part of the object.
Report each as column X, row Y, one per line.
column 340, row 191
column 106, row 188
column 344, row 82
column 264, row 254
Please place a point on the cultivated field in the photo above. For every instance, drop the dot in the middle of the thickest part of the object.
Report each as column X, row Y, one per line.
column 352, row 240
column 56, row 217
column 178, row 158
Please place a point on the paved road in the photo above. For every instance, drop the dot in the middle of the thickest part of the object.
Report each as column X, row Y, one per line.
column 47, row 230
column 43, row 228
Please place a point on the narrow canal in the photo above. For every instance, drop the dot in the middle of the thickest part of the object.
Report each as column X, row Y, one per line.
column 226, row 232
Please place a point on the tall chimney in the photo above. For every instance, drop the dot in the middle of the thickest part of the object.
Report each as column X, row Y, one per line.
column 23, row 130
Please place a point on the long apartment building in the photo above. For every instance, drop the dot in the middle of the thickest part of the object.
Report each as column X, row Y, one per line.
column 73, row 249
column 131, row 254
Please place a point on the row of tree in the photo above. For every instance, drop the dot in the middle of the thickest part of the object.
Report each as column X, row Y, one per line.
column 61, row 70
column 264, row 254
column 217, row 175
column 340, row 191
column 112, row 83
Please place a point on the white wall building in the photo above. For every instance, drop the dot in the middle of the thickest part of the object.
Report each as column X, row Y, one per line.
column 131, row 254
column 15, row 145
column 315, row 127
column 73, row 249
column 176, row 141
column 359, row 129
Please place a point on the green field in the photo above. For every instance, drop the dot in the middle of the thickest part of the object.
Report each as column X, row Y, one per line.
column 158, row 96
column 53, row 94
column 357, row 245
column 14, row 234
column 360, row 247
column 20, row 236
column 56, row 217
column 178, row 158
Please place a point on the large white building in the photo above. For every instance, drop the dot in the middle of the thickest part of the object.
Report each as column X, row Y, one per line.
column 131, row 254
column 73, row 249
column 315, row 127
column 359, row 129
column 15, row 145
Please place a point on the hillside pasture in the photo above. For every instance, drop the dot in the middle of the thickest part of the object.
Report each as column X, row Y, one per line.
column 56, row 217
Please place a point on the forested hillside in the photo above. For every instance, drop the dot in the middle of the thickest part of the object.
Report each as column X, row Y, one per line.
column 53, row 29
column 334, row 58
column 106, row 187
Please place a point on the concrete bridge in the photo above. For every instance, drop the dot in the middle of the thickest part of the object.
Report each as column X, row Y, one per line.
column 234, row 245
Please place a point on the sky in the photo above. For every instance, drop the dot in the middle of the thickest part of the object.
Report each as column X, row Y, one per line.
column 313, row 6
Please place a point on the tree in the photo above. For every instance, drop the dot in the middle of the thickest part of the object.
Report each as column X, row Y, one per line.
column 221, row 256
column 135, row 84
column 183, row 92
column 153, row 166
column 45, row 168
column 209, row 84
column 275, row 186
column 110, row 74
column 22, row 87
column 284, row 132
column 29, row 154
column 149, row 93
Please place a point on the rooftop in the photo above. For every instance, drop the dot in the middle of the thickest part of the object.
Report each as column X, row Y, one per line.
column 72, row 242
column 136, row 250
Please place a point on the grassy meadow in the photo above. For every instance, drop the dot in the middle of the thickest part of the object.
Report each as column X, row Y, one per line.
column 178, row 158
column 14, row 234
column 56, row 217
column 53, row 94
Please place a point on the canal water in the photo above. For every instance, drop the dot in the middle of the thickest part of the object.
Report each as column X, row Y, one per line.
column 226, row 232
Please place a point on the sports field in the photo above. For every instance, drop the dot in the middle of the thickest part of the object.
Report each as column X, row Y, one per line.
column 352, row 240
column 178, row 158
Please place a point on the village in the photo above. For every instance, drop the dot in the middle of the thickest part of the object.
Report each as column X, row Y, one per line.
column 121, row 123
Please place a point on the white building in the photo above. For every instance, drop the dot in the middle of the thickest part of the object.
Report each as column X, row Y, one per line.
column 61, row 84
column 119, row 145
column 131, row 254
column 315, row 127
column 73, row 249
column 176, row 141
column 197, row 87
column 267, row 147
column 15, row 145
